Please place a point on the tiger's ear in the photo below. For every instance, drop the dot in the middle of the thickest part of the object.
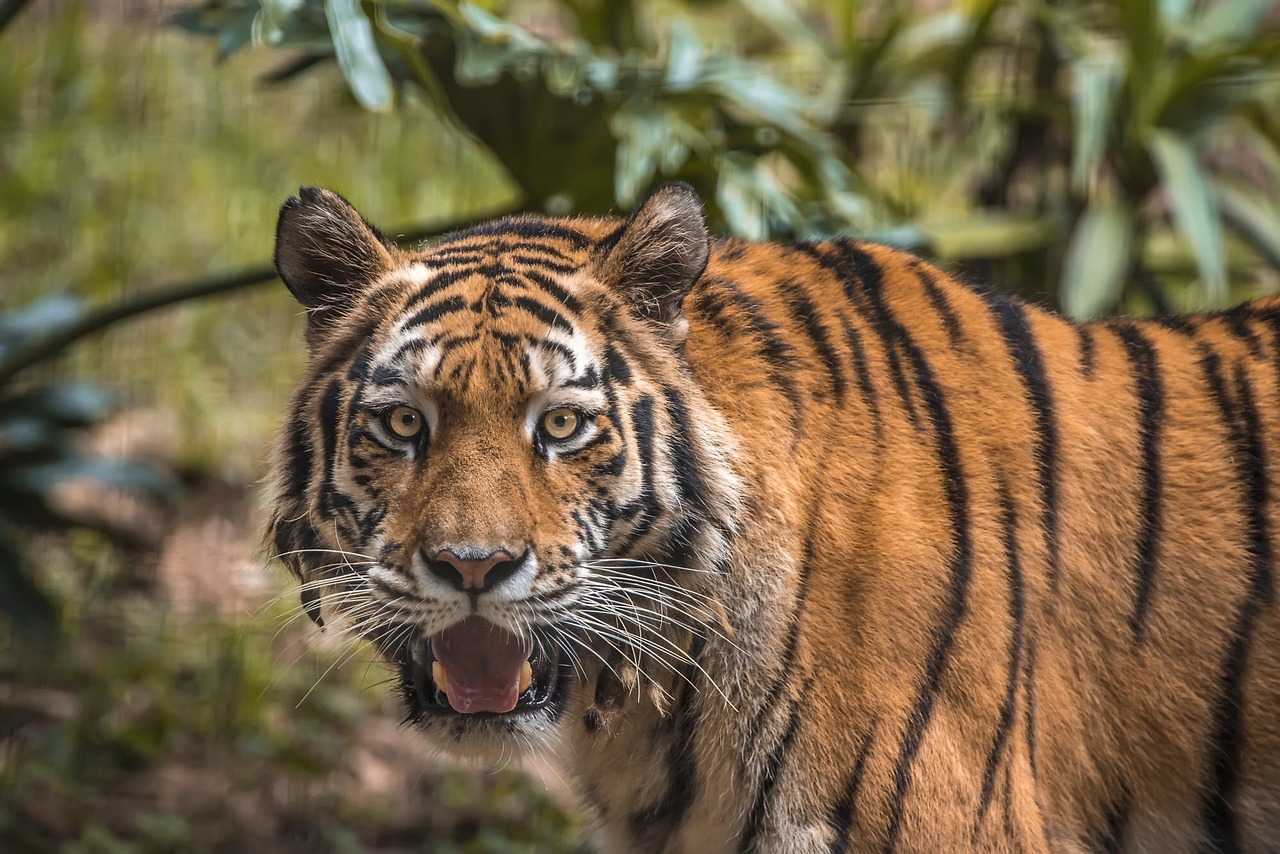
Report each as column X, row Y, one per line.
column 326, row 253
column 658, row 255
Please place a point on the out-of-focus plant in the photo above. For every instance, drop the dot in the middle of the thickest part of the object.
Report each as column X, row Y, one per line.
column 42, row 426
column 1090, row 143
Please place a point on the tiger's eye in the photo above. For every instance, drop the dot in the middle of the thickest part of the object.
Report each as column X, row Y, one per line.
column 404, row 421
column 561, row 423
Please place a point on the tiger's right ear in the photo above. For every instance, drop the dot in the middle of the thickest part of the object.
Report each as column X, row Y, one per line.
column 658, row 254
column 326, row 254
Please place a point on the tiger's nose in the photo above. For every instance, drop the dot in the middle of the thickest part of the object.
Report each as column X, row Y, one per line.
column 474, row 570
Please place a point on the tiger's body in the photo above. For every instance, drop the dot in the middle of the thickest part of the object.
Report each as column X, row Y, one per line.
column 852, row 556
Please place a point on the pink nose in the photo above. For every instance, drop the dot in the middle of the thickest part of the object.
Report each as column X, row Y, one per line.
column 474, row 570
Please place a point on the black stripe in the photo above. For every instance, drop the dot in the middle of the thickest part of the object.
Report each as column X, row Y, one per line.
column 957, row 495
column 446, row 278
column 769, row 779
column 1030, row 367
column 1008, row 710
column 416, row 346
column 853, row 267
column 843, row 812
column 529, row 228
column 1029, row 713
column 553, row 289
column 300, row 459
column 617, row 365
column 1237, row 321
column 938, row 300
column 805, row 313
column 791, row 644
column 1149, row 392
column 546, row 314
column 687, row 471
column 358, row 370
column 853, row 340
column 642, row 431
column 1221, row 829
column 554, row 261
column 328, row 444
column 1181, row 324
column 662, row 819
column 559, row 349
column 774, row 347
column 1084, row 331
column 1111, row 839
column 434, row 311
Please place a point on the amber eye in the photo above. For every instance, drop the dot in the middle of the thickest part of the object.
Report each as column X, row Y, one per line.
column 403, row 421
column 561, row 423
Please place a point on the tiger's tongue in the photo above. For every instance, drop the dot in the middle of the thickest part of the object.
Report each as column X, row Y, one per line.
column 482, row 664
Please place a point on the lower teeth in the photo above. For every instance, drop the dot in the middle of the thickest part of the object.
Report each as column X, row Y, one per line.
column 526, row 677
column 442, row 683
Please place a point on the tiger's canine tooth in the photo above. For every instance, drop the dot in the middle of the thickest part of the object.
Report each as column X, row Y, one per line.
column 526, row 677
column 437, row 673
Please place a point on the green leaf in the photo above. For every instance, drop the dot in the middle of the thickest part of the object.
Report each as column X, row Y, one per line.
column 985, row 234
column 1174, row 11
column 1194, row 205
column 1144, row 37
column 1097, row 79
column 1097, row 260
column 684, row 57
column 1227, row 20
column 41, row 318
column 1254, row 218
column 237, row 35
column 358, row 55
column 68, row 405
column 275, row 18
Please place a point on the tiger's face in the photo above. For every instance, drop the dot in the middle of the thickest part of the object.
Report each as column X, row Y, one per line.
column 469, row 473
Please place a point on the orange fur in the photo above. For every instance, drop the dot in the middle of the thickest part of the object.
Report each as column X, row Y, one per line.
column 948, row 572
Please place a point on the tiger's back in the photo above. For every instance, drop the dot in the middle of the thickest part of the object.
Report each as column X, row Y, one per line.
column 985, row 578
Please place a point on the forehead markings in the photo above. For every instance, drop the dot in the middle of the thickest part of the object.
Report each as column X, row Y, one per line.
column 461, row 295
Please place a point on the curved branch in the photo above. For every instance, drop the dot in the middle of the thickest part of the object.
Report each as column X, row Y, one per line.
column 9, row 10
column 33, row 352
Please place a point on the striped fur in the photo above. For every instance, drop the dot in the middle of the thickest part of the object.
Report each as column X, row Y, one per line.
column 954, row 573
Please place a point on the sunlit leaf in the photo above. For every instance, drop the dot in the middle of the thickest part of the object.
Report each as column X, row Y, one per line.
column 1175, row 11
column 684, row 57
column 985, row 234
column 1254, row 217
column 1194, row 205
column 1230, row 19
column 274, row 19
column 357, row 53
column 1097, row 260
column 1097, row 78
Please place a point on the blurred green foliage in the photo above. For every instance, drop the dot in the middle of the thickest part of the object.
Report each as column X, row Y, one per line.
column 1103, row 153
column 152, row 723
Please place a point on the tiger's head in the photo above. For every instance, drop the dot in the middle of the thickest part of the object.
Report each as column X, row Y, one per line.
column 499, row 467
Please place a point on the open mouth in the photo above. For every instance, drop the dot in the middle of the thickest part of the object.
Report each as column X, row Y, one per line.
column 478, row 668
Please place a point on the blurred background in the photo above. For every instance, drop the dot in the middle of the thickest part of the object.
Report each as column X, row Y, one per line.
column 160, row 689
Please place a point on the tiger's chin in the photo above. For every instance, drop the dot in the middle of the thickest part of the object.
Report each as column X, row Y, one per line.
column 530, row 726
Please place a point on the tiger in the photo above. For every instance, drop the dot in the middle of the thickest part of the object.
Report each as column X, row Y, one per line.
column 793, row 548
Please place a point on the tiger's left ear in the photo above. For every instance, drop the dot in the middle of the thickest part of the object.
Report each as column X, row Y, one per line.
column 326, row 253
column 658, row 255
